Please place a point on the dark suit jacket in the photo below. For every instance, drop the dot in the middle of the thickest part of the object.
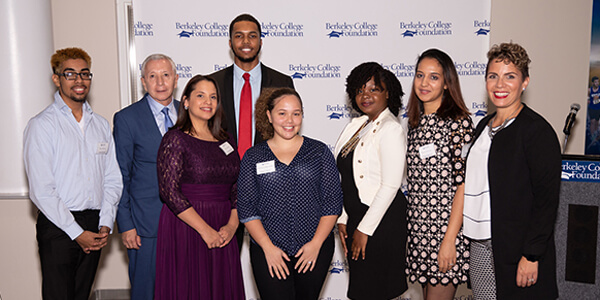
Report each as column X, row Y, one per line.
column 524, row 169
column 224, row 78
column 137, row 139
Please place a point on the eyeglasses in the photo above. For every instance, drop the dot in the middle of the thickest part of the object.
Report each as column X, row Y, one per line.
column 73, row 75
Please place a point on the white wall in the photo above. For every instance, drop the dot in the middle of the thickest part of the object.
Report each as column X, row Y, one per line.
column 555, row 32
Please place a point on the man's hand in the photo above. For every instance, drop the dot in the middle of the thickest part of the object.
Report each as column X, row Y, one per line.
column 131, row 239
column 90, row 241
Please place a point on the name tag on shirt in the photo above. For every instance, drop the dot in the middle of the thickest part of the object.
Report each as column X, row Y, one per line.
column 226, row 147
column 102, row 148
column 265, row 167
column 427, row 151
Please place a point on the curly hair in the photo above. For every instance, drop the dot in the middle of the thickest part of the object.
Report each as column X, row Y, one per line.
column 384, row 79
column 266, row 102
column 452, row 106
column 509, row 53
column 184, row 121
column 60, row 56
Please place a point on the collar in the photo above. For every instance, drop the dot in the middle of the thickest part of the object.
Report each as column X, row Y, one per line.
column 156, row 107
column 62, row 106
column 254, row 73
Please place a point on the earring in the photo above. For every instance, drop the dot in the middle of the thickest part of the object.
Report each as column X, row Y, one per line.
column 185, row 107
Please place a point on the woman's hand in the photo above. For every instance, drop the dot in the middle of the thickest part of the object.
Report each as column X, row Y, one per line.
column 527, row 273
column 308, row 257
column 359, row 244
column 277, row 266
column 227, row 232
column 211, row 237
column 447, row 255
column 343, row 236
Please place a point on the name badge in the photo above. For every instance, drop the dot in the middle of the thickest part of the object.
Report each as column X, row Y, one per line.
column 427, row 151
column 226, row 147
column 265, row 167
column 102, row 148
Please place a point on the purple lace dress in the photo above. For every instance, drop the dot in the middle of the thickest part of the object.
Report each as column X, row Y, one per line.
column 198, row 174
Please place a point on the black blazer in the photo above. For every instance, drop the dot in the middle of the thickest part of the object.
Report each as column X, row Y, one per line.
column 224, row 78
column 524, row 169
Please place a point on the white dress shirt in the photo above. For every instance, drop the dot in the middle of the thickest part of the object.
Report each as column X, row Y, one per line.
column 70, row 170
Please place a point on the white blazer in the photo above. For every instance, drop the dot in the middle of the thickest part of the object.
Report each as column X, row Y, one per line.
column 378, row 165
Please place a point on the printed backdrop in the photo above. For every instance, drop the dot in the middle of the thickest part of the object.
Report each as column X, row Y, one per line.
column 318, row 43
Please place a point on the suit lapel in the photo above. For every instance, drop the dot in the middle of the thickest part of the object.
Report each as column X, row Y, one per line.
column 147, row 118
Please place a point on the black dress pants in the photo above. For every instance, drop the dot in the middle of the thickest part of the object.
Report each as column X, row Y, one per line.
column 297, row 286
column 67, row 272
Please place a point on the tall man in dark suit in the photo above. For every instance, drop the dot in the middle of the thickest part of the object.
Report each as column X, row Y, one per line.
column 245, row 41
column 138, row 130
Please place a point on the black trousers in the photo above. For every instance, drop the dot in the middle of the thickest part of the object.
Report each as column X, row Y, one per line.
column 297, row 286
column 67, row 272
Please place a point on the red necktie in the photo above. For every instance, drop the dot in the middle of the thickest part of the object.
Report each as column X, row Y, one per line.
column 245, row 123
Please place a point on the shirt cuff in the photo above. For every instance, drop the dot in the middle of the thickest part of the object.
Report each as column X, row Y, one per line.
column 73, row 231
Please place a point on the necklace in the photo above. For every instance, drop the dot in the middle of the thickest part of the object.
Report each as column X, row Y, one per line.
column 492, row 131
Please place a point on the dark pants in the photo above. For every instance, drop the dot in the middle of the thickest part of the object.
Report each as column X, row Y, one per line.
column 67, row 272
column 297, row 286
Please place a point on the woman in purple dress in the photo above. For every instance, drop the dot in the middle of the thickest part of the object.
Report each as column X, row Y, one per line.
column 197, row 255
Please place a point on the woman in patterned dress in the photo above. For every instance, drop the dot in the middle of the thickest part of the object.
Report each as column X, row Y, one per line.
column 439, row 127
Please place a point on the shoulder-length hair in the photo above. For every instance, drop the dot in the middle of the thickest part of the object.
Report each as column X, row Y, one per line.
column 266, row 102
column 214, row 124
column 362, row 73
column 453, row 105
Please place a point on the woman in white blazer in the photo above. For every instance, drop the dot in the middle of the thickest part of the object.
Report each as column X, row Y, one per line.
column 371, row 155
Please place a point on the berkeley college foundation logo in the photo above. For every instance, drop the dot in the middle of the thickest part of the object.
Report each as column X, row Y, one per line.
column 483, row 27
column 345, row 29
column 289, row 29
column 318, row 71
column 184, row 71
column 340, row 111
column 207, row 29
column 143, row 29
column 401, row 69
column 471, row 68
column 413, row 29
column 576, row 170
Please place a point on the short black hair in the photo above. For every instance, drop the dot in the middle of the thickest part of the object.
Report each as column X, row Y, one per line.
column 361, row 74
column 244, row 17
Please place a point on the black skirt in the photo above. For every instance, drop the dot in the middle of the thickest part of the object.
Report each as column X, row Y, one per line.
column 381, row 274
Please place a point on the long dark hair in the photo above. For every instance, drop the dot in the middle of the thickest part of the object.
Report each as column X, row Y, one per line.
column 214, row 124
column 452, row 106
column 362, row 73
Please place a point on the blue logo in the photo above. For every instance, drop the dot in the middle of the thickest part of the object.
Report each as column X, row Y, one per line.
column 338, row 267
column 470, row 68
column 207, row 29
column 400, row 69
column 335, row 115
column 186, row 34
column 143, row 29
column 318, row 71
column 217, row 67
column 356, row 29
column 340, row 111
column 482, row 31
column 298, row 75
column 480, row 113
column 409, row 33
column 283, row 29
column 582, row 171
column 405, row 115
column 335, row 34
column 413, row 29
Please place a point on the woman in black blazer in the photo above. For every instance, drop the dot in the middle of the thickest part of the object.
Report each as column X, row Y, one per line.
column 512, row 189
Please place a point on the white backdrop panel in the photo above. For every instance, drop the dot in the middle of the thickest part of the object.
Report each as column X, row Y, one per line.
column 318, row 43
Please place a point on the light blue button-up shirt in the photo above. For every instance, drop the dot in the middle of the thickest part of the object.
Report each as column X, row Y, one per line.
column 159, row 117
column 70, row 170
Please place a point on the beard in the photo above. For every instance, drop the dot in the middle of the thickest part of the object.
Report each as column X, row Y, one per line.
column 246, row 59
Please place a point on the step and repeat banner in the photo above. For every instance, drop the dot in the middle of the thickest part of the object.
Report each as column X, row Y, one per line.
column 318, row 43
